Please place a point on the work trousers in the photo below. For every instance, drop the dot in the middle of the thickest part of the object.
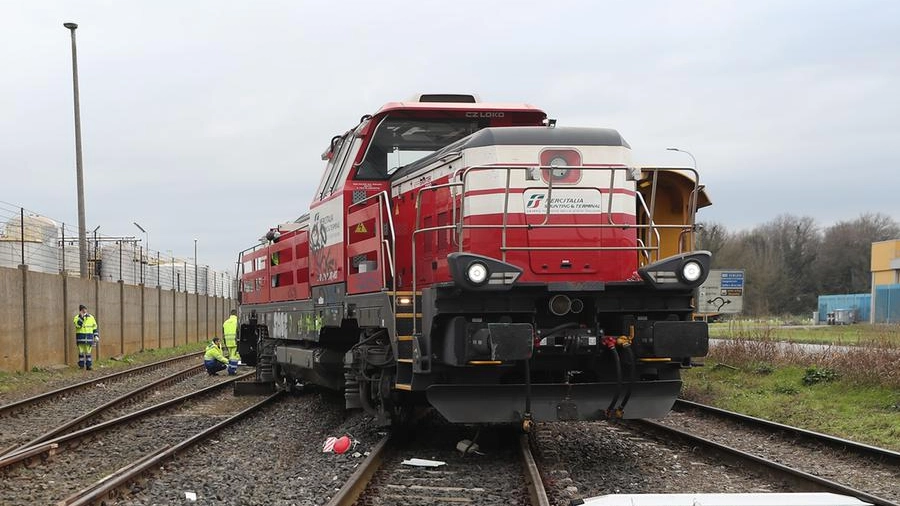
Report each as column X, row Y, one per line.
column 85, row 344
column 85, row 359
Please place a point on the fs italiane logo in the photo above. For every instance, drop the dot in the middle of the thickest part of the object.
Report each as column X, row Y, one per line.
column 535, row 201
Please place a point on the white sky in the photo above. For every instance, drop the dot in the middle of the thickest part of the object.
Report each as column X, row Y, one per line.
column 206, row 119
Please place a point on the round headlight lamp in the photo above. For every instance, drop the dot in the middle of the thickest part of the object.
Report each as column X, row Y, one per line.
column 477, row 273
column 691, row 271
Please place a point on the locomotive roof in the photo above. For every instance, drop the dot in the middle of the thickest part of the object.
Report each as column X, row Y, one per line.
column 523, row 136
column 457, row 106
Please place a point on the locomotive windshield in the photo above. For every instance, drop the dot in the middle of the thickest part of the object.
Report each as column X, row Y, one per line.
column 401, row 141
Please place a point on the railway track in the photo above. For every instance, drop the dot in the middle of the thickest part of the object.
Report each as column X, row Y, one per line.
column 884, row 455
column 100, row 458
column 111, row 483
column 12, row 407
column 387, row 476
column 51, row 446
column 807, row 461
column 26, row 423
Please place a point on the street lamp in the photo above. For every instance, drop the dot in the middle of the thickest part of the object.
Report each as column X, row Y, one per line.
column 694, row 195
column 196, row 290
column 146, row 246
column 82, row 233
column 146, row 236
column 96, row 251
column 685, row 152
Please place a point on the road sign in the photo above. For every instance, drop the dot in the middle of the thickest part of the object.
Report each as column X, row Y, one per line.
column 722, row 292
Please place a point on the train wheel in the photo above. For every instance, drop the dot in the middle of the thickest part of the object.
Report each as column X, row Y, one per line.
column 266, row 366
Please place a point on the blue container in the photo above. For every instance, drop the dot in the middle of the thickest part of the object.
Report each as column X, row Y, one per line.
column 861, row 303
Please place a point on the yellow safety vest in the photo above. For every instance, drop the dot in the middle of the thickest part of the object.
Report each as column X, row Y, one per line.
column 88, row 324
column 229, row 329
column 214, row 353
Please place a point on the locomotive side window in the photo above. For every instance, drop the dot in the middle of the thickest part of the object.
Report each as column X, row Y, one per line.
column 332, row 167
column 401, row 141
column 342, row 170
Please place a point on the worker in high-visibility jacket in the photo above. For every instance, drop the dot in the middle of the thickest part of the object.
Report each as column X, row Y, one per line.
column 213, row 358
column 87, row 334
column 229, row 330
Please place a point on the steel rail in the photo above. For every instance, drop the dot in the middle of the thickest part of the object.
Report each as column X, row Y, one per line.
column 47, row 395
column 100, row 489
column 798, row 477
column 133, row 394
column 859, row 448
column 533, row 479
column 53, row 444
column 359, row 480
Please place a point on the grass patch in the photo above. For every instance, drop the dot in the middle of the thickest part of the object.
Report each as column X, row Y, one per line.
column 859, row 334
column 45, row 378
column 853, row 393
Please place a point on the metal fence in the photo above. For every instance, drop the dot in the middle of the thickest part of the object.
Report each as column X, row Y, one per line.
column 47, row 245
column 887, row 304
column 884, row 308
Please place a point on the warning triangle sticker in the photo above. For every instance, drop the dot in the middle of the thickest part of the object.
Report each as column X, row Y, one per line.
column 361, row 229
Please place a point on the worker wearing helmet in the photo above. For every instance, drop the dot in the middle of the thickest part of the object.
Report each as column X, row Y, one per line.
column 229, row 330
column 213, row 358
column 87, row 334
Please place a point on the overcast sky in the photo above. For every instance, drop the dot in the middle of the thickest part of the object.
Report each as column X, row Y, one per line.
column 206, row 119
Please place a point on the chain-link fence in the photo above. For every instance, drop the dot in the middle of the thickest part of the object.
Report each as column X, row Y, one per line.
column 52, row 246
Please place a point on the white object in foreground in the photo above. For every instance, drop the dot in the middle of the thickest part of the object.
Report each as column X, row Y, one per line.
column 799, row 499
column 423, row 463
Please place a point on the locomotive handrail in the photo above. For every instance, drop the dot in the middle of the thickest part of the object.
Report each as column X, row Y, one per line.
column 390, row 252
column 382, row 201
column 417, row 230
column 652, row 227
column 653, row 230
column 690, row 226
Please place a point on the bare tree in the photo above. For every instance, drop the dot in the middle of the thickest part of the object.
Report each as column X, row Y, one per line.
column 843, row 264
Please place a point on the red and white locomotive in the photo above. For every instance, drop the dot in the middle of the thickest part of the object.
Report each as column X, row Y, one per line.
column 477, row 258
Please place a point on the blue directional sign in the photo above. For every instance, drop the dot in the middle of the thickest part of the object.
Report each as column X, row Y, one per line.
column 722, row 292
column 732, row 280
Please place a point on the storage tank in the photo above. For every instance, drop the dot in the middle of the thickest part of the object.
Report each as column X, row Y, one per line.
column 39, row 247
column 36, row 229
column 121, row 260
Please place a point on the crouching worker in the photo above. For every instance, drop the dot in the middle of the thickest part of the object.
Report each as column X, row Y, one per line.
column 213, row 359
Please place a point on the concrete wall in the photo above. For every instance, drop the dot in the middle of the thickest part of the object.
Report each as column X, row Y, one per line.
column 131, row 317
column 46, row 338
column 109, row 319
column 151, row 333
column 167, row 317
column 36, row 312
column 12, row 321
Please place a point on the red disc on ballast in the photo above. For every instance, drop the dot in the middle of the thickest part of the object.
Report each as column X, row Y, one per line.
column 342, row 444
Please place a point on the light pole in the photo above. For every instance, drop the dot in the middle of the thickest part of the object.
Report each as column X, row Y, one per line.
column 146, row 246
column 82, row 233
column 146, row 236
column 96, row 251
column 694, row 194
column 685, row 152
column 196, row 290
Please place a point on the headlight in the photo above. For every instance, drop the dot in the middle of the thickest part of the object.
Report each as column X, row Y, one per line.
column 558, row 171
column 691, row 271
column 477, row 273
